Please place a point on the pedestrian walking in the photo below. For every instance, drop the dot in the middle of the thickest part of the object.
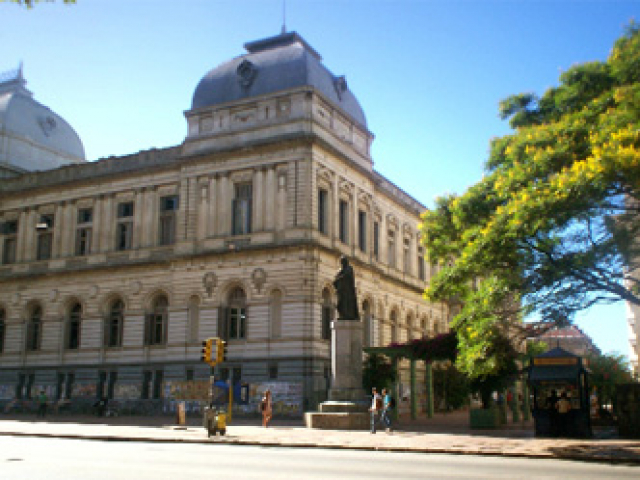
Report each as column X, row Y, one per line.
column 42, row 404
column 388, row 403
column 266, row 407
column 376, row 406
column 564, row 407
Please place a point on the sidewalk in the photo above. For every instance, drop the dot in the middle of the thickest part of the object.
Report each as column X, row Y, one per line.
column 443, row 434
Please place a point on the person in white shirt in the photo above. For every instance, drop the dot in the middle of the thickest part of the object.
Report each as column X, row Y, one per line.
column 376, row 406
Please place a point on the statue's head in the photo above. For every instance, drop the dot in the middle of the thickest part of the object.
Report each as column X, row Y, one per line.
column 344, row 261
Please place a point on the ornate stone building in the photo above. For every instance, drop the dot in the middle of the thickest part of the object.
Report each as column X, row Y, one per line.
column 113, row 271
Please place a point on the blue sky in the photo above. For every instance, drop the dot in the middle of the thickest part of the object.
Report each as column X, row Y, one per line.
column 428, row 73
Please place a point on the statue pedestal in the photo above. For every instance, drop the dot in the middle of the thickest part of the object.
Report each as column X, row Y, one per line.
column 348, row 406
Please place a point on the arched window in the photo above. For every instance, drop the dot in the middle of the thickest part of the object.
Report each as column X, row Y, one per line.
column 34, row 328
column 74, row 318
column 114, row 324
column 327, row 314
column 232, row 319
column 409, row 327
column 193, row 314
column 2, row 328
column 367, row 327
column 275, row 310
column 157, row 321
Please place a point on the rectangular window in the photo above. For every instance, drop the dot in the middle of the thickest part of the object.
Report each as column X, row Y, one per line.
column 10, row 230
column 85, row 215
column 241, row 208
column 189, row 374
column 421, row 265
column 237, row 323
column 344, row 221
column 45, row 237
column 376, row 240
column 124, row 228
column 392, row 249
column 273, row 371
column 224, row 374
column 167, row 224
column 362, row 231
column 236, row 375
column 83, row 241
column 83, row 233
column 323, row 211
column 125, row 210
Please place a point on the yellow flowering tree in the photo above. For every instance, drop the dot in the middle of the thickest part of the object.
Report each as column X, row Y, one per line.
column 552, row 227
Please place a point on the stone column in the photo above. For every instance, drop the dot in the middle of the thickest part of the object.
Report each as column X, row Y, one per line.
column 258, row 200
column 354, row 232
column 57, row 231
column 282, row 200
column 202, row 221
column 270, row 199
column 224, row 206
column 335, row 210
column 213, row 204
column 68, row 229
column 137, row 218
column 30, row 236
column 96, row 224
column 107, row 241
column 145, row 227
column 152, row 216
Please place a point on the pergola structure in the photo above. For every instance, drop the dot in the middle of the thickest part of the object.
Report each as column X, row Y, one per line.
column 439, row 348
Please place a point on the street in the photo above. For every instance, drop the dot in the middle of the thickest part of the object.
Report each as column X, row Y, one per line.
column 25, row 458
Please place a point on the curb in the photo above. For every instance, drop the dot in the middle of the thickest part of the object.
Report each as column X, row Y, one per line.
column 228, row 441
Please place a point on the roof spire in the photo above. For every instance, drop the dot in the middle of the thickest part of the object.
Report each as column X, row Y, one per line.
column 284, row 17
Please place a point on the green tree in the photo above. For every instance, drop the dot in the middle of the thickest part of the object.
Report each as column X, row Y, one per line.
column 607, row 371
column 551, row 227
column 377, row 372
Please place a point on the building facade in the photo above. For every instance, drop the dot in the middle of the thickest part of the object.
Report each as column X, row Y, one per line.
column 114, row 271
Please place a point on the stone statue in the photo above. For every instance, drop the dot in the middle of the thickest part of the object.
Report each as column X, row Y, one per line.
column 345, row 286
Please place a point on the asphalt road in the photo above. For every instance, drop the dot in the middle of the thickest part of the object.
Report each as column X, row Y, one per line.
column 24, row 458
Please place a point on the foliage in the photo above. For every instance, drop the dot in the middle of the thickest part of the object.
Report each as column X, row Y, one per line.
column 31, row 3
column 607, row 371
column 440, row 347
column 550, row 227
column 377, row 372
column 452, row 385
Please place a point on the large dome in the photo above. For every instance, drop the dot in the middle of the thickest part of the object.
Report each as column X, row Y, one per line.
column 274, row 64
column 32, row 136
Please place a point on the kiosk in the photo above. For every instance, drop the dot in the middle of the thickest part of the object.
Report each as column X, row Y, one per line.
column 552, row 376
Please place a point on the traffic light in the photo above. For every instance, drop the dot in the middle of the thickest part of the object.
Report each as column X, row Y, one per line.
column 221, row 351
column 207, row 347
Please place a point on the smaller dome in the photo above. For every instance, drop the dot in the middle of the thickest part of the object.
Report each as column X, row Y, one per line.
column 275, row 64
column 33, row 136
